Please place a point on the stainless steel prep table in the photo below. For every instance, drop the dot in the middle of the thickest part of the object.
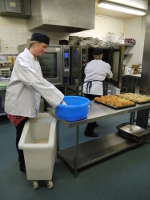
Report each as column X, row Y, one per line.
column 84, row 154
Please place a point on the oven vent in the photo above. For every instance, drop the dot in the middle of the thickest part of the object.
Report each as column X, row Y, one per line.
column 67, row 16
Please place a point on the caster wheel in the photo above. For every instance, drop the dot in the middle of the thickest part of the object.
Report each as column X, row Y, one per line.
column 35, row 185
column 49, row 184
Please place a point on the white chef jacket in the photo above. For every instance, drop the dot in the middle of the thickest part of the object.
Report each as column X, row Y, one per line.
column 96, row 71
column 26, row 87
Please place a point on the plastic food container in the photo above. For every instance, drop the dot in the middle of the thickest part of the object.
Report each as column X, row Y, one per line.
column 75, row 110
column 38, row 142
column 115, row 90
column 127, row 70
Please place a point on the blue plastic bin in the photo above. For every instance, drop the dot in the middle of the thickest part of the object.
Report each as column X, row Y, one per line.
column 75, row 110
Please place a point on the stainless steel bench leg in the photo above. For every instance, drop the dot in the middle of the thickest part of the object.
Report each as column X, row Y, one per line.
column 76, row 151
column 132, row 117
column 57, row 136
column 142, row 118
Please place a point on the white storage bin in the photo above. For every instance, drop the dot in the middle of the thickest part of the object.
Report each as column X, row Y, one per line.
column 109, row 91
column 115, row 90
column 127, row 70
column 38, row 142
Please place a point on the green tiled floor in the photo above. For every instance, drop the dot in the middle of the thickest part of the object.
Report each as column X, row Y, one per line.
column 125, row 176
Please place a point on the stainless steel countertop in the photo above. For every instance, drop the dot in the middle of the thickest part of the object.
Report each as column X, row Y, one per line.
column 98, row 112
column 2, row 88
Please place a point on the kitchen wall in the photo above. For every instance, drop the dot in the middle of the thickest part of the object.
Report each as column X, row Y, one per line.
column 133, row 28
column 103, row 25
column 13, row 32
column 136, row 29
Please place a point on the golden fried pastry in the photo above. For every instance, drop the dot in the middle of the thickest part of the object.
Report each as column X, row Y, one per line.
column 114, row 101
column 135, row 97
column 96, row 99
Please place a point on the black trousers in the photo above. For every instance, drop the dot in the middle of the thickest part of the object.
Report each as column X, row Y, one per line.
column 19, row 129
column 90, row 126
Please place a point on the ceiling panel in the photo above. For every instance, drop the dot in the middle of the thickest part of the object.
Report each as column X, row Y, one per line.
column 142, row 4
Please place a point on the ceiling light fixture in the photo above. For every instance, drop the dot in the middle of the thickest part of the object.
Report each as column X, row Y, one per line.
column 121, row 8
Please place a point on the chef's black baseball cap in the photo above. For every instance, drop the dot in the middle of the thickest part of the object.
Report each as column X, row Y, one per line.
column 97, row 51
column 40, row 37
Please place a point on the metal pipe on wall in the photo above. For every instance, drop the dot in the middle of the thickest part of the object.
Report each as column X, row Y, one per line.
column 145, row 76
column 142, row 116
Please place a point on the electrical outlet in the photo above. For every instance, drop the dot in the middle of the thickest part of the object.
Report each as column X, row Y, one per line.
column 6, row 46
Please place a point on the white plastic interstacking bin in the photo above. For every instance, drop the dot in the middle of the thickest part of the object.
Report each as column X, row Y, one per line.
column 114, row 90
column 38, row 142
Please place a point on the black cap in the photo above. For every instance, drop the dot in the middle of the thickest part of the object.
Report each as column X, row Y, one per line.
column 40, row 37
column 97, row 51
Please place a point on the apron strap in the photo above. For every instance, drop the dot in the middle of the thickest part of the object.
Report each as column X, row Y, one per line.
column 105, row 87
column 89, row 85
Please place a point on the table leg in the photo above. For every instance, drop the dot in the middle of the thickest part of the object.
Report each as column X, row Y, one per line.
column 76, row 151
column 142, row 118
column 132, row 117
column 66, row 90
column 57, row 131
column 77, row 90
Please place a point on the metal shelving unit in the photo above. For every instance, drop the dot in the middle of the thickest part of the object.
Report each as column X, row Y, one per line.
column 126, row 58
column 127, row 49
column 2, row 92
column 2, row 89
column 3, row 113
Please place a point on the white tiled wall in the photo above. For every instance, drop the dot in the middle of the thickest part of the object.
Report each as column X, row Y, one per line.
column 12, row 36
column 14, row 32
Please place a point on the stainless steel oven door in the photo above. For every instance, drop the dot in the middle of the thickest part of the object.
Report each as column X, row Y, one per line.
column 51, row 64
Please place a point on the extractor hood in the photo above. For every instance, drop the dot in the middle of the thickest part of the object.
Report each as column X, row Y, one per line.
column 62, row 15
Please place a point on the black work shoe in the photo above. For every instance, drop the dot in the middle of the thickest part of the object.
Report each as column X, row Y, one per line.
column 96, row 125
column 22, row 168
column 92, row 134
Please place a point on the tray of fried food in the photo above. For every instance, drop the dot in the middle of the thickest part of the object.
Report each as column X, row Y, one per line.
column 114, row 101
column 138, row 98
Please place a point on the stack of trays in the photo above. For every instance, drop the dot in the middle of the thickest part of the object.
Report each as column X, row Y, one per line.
column 73, row 40
column 133, row 132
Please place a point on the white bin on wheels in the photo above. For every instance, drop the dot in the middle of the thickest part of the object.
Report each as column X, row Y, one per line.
column 38, row 142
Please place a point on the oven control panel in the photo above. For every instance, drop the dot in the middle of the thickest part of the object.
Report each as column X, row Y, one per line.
column 66, row 60
column 84, row 57
column 66, row 53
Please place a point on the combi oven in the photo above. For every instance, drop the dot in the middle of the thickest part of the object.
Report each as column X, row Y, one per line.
column 55, row 63
column 81, row 55
column 79, row 59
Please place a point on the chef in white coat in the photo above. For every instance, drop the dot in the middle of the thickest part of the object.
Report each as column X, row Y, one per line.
column 26, row 87
column 96, row 71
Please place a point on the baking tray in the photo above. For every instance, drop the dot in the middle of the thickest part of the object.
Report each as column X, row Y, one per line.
column 114, row 107
column 139, row 102
column 142, row 102
column 133, row 132
column 136, row 101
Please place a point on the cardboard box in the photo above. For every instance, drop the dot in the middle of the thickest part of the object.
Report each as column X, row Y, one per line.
column 136, row 69
column 130, row 40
